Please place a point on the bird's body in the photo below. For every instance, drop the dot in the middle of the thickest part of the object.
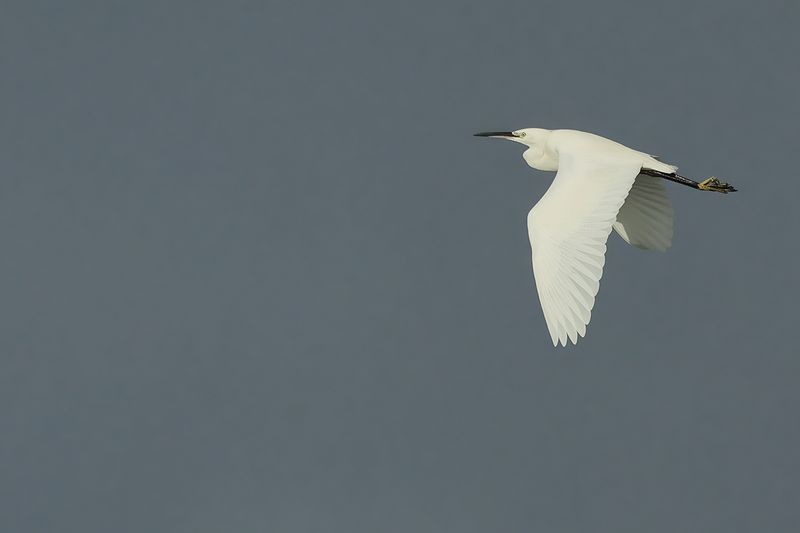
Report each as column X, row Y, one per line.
column 600, row 184
column 549, row 145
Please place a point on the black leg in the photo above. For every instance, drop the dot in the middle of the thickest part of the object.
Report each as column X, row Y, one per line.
column 711, row 184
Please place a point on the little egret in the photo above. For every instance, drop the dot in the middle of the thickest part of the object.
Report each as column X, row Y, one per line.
column 599, row 185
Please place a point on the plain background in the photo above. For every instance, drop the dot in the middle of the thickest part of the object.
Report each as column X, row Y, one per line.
column 257, row 275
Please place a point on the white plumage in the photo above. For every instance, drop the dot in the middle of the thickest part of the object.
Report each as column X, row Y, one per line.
column 597, row 187
column 645, row 219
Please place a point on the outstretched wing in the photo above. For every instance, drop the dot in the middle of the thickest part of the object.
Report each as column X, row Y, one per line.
column 645, row 219
column 568, row 229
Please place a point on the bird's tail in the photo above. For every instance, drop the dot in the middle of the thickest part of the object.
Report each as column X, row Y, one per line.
column 655, row 164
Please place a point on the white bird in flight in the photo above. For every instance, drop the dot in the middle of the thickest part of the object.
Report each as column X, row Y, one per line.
column 599, row 185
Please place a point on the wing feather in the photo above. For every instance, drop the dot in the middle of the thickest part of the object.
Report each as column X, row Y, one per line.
column 568, row 229
column 645, row 219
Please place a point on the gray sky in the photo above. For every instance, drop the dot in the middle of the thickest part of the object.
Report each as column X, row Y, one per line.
column 257, row 275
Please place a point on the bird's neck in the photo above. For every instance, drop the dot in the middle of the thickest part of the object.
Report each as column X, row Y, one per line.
column 541, row 157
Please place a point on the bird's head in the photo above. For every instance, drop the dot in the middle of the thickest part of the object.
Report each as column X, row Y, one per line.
column 537, row 155
column 530, row 137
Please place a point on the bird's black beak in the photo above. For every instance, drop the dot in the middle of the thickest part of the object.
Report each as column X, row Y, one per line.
column 495, row 134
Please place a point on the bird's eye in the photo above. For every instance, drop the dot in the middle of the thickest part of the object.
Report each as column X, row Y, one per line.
column 521, row 134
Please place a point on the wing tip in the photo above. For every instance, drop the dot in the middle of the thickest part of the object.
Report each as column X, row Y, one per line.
column 568, row 337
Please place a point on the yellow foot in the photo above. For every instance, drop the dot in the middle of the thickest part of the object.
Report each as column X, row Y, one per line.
column 713, row 184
